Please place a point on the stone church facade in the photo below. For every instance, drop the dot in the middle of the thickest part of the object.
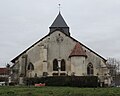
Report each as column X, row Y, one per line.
column 59, row 54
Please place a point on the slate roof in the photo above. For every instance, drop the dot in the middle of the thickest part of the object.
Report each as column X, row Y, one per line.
column 78, row 51
column 59, row 22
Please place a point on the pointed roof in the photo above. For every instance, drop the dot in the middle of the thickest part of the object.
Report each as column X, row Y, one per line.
column 78, row 51
column 59, row 22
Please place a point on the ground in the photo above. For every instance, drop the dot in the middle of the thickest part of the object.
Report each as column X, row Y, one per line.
column 58, row 91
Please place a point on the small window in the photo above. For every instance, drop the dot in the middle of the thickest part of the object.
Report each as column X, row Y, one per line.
column 62, row 74
column 55, row 74
column 55, row 65
column 63, row 65
column 30, row 66
column 90, row 70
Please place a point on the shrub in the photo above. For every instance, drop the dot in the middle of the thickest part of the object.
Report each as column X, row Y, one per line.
column 74, row 81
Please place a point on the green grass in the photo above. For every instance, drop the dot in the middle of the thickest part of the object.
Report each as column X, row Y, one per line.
column 58, row 91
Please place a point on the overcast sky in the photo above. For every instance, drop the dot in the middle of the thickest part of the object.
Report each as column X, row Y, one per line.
column 95, row 23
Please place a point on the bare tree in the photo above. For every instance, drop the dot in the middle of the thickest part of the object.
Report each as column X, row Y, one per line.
column 114, row 66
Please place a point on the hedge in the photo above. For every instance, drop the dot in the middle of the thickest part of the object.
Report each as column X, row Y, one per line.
column 74, row 81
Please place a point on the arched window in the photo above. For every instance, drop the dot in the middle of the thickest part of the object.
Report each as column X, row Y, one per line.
column 90, row 69
column 30, row 66
column 63, row 68
column 55, row 65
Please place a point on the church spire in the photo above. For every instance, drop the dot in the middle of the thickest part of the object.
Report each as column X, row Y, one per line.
column 60, row 24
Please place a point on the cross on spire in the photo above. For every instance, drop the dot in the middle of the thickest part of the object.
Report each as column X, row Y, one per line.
column 59, row 6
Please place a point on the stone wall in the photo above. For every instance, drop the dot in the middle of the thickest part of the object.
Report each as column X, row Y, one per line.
column 58, row 46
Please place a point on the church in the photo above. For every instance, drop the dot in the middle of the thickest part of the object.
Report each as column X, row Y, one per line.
column 59, row 54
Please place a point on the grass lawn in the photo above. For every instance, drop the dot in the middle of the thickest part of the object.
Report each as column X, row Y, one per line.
column 58, row 91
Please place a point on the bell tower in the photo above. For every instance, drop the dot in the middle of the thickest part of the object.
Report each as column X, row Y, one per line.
column 59, row 24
